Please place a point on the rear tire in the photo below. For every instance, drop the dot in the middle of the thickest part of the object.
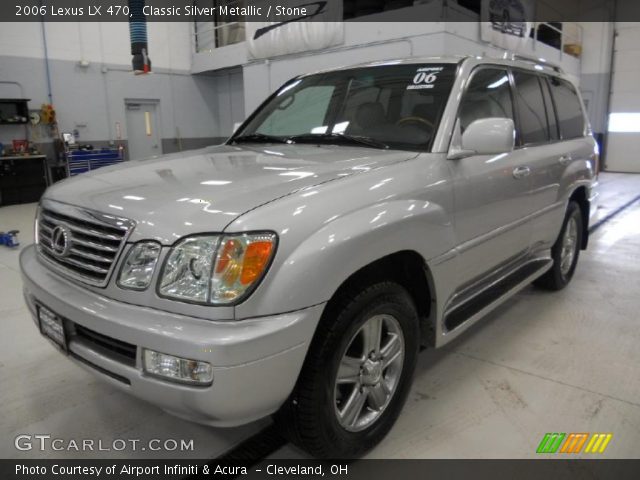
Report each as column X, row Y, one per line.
column 336, row 419
column 565, row 251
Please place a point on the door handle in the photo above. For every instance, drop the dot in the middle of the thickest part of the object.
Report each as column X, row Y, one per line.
column 565, row 159
column 521, row 172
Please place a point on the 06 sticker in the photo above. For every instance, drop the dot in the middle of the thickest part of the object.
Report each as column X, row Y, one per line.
column 425, row 77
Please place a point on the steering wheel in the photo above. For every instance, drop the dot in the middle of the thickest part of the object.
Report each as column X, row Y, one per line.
column 414, row 119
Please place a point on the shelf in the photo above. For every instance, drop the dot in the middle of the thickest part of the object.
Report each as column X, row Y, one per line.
column 14, row 107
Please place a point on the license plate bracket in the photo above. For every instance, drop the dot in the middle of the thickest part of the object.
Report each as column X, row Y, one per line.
column 52, row 327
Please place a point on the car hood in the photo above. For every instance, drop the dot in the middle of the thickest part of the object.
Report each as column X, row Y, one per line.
column 205, row 190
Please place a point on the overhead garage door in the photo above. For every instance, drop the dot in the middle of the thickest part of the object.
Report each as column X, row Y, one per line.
column 623, row 141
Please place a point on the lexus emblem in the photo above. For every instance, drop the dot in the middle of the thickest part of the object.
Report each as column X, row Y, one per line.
column 61, row 241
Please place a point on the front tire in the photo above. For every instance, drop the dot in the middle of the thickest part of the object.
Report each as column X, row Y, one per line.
column 565, row 251
column 357, row 374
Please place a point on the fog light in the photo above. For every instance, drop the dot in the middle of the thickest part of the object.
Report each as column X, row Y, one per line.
column 177, row 369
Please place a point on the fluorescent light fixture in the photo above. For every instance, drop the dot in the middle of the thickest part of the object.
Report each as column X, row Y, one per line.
column 624, row 122
column 133, row 197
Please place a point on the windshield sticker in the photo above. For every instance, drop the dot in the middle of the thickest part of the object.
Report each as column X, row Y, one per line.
column 425, row 77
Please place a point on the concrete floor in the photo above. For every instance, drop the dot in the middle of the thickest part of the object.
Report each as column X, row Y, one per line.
column 544, row 362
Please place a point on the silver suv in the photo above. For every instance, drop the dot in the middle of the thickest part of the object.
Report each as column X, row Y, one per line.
column 358, row 215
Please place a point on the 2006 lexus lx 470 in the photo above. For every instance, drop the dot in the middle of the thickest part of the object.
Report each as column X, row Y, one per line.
column 358, row 215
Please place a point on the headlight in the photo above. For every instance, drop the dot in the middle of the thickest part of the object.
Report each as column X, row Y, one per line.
column 187, row 271
column 138, row 266
column 216, row 270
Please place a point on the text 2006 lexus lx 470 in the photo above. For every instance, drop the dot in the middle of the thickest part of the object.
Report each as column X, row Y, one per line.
column 296, row 270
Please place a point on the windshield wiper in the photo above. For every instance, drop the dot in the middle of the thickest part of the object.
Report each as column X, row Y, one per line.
column 370, row 142
column 259, row 137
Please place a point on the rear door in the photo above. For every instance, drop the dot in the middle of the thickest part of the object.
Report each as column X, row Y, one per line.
column 491, row 191
column 540, row 142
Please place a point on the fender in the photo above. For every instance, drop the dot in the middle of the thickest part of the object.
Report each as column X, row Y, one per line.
column 339, row 229
column 580, row 172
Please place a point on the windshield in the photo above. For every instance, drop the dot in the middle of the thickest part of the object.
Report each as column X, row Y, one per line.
column 390, row 106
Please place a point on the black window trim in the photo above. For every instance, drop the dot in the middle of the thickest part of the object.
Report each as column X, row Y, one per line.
column 545, row 79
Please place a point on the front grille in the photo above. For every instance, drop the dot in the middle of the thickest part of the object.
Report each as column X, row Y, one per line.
column 124, row 352
column 93, row 241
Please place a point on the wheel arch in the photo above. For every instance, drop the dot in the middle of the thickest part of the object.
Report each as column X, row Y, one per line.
column 407, row 268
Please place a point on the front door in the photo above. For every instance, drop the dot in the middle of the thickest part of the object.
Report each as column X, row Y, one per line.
column 491, row 192
column 143, row 132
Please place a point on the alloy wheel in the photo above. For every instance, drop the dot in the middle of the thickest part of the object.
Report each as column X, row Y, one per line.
column 369, row 372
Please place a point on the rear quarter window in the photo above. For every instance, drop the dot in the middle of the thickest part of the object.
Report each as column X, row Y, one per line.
column 569, row 109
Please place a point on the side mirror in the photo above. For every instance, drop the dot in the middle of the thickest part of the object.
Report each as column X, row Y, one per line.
column 487, row 136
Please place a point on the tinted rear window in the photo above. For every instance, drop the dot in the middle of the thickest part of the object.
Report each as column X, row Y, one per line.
column 531, row 112
column 569, row 109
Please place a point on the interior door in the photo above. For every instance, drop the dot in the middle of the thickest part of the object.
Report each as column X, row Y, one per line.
column 491, row 192
column 143, row 132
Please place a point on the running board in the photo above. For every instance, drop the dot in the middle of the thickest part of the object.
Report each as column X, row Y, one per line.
column 494, row 294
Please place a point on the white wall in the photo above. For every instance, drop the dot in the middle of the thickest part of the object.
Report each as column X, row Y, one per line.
column 597, row 46
column 367, row 42
column 90, row 99
column 106, row 42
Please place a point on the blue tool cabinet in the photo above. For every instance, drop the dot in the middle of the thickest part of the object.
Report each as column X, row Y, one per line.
column 81, row 161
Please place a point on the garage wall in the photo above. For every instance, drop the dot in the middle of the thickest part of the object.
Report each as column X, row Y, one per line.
column 623, row 142
column 368, row 42
column 597, row 46
column 91, row 100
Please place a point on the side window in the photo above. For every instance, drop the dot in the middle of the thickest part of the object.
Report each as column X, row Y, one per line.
column 488, row 95
column 569, row 109
column 552, row 120
column 531, row 112
column 302, row 112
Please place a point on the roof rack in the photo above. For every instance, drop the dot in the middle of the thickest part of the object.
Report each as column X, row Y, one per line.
column 536, row 61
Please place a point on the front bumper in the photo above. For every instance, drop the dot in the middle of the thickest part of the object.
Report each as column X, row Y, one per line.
column 255, row 362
